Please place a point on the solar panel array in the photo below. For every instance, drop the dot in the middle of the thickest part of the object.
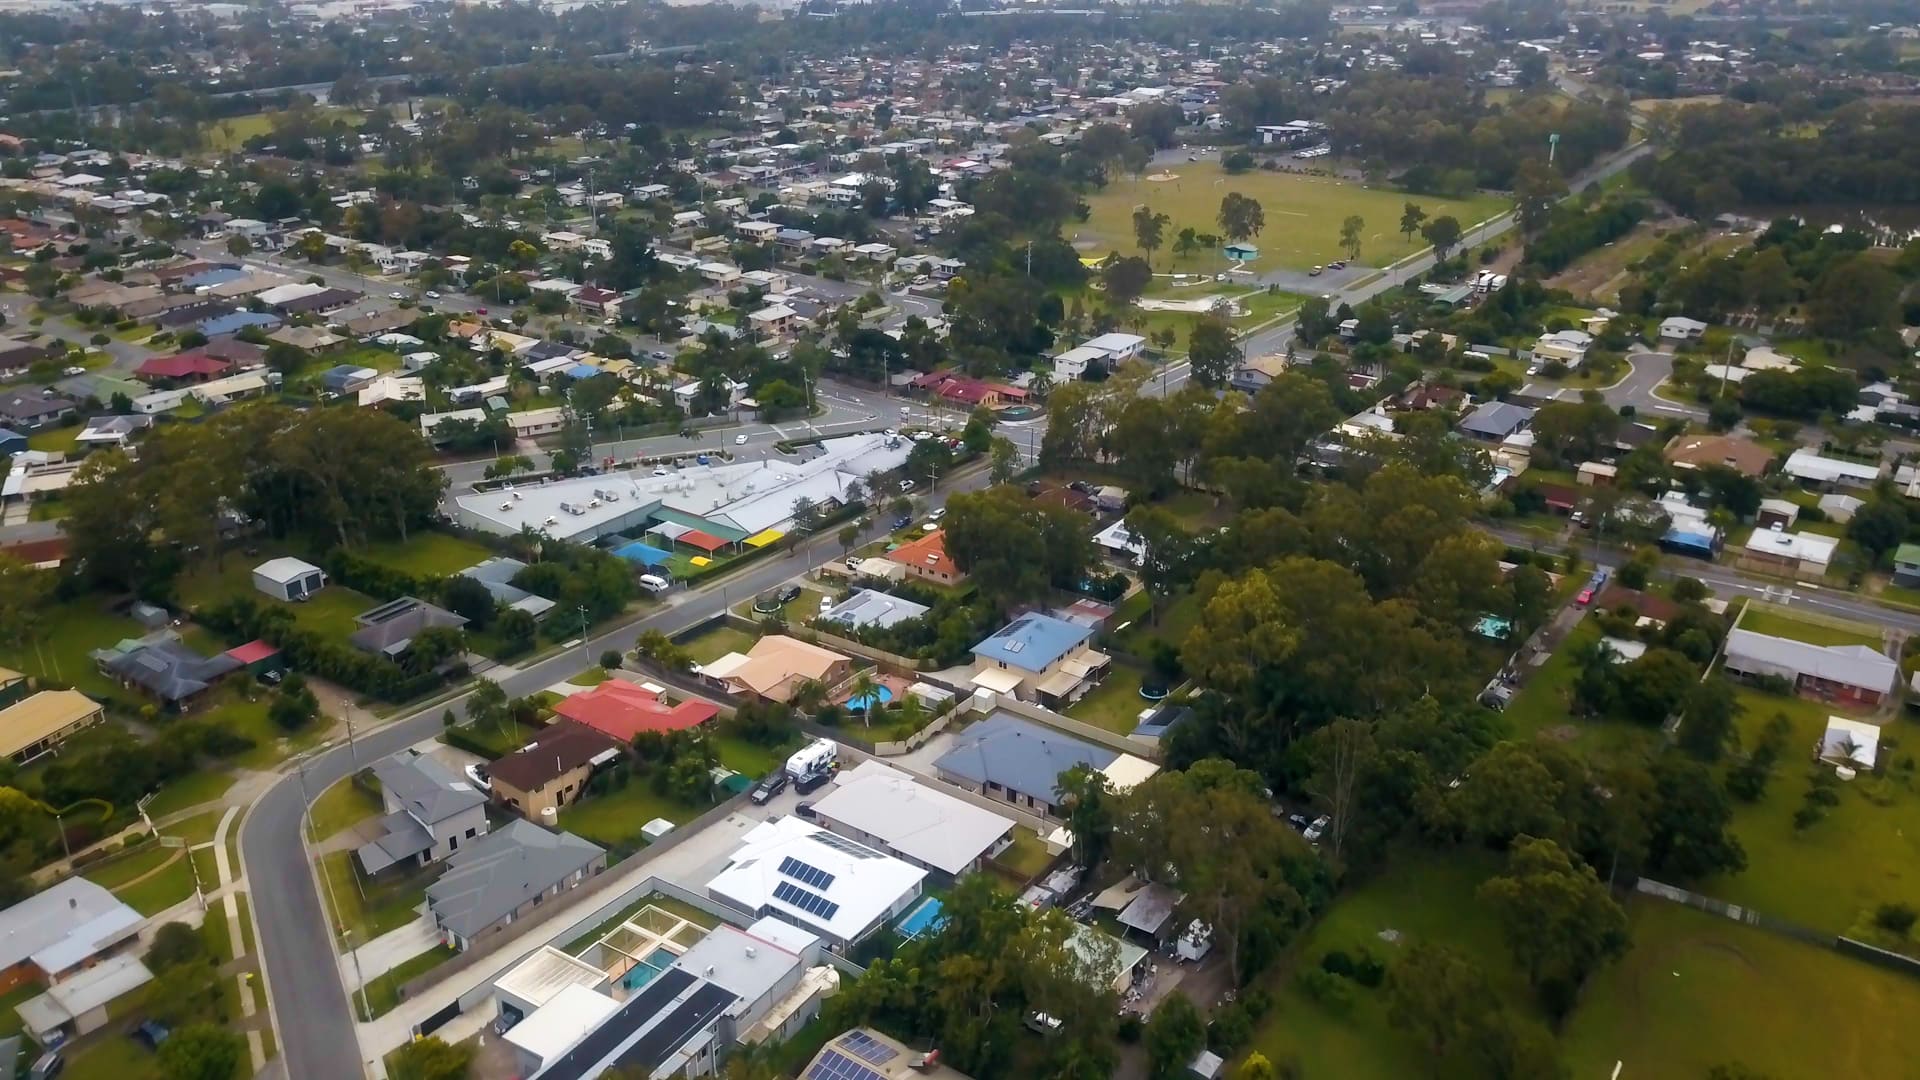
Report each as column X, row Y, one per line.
column 806, row 873
column 867, row 1048
column 810, row 902
column 834, row 1065
column 845, row 846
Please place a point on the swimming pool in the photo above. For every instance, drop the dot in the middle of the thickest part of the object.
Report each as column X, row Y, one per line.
column 1492, row 626
column 923, row 918
column 881, row 695
column 647, row 967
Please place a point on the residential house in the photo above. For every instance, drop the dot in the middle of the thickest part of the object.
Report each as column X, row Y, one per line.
column 1013, row 759
column 347, row 379
column 552, row 771
column 1906, row 565
column 164, row 667
column 113, row 431
column 1567, row 347
column 504, row 876
column 428, row 812
column 1777, row 551
column 35, row 727
column 1496, row 421
column 1038, row 657
column 776, row 667
column 1813, row 469
column 1853, row 675
column 873, row 1055
column 1698, row 451
column 622, row 710
column 186, row 367
column 826, row 884
column 597, row 302
column 886, row 809
column 1255, row 372
column 1681, row 328
column 288, row 578
column 868, row 608
column 78, row 941
column 497, row 575
column 26, row 410
column 389, row 629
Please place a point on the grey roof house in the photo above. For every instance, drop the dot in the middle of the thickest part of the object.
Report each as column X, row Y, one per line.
column 27, row 410
column 867, row 607
column 429, row 810
column 1018, row 760
column 1496, row 420
column 163, row 666
column 497, row 575
column 506, row 874
column 390, row 628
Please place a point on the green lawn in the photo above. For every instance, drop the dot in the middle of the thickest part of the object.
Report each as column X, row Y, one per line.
column 62, row 439
column 1028, row 856
column 1866, row 852
column 271, row 745
column 614, row 820
column 593, row 676
column 1196, row 510
column 115, row 1057
column 1115, row 704
column 1425, row 897
column 370, row 908
column 383, row 991
column 112, row 875
column 161, row 891
column 198, row 829
column 718, row 642
column 1698, row 991
column 1303, row 216
column 749, row 758
column 1766, row 620
column 1542, row 708
column 797, row 612
column 192, row 790
column 339, row 808
column 231, row 133
column 58, row 647
column 429, row 554
column 10, row 1022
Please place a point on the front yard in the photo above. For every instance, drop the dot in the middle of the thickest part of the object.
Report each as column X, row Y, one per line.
column 371, row 907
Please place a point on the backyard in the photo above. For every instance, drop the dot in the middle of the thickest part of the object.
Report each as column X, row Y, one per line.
column 428, row 554
column 1115, row 704
column 1303, row 216
column 614, row 819
column 329, row 612
column 717, row 641
column 1832, row 874
column 58, row 647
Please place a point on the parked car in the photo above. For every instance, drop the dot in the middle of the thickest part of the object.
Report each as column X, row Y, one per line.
column 48, row 1066
column 1585, row 597
column 769, row 786
column 1316, row 271
column 151, row 1034
column 479, row 311
column 788, row 594
column 1337, row 264
column 906, row 485
column 477, row 774
column 853, row 562
column 805, row 809
column 1299, row 821
column 901, row 522
column 938, row 513
column 432, row 295
column 1318, row 829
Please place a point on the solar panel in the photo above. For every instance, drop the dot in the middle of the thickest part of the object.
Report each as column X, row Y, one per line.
column 806, row 873
column 845, row 846
column 810, row 902
column 834, row 1065
column 867, row 1048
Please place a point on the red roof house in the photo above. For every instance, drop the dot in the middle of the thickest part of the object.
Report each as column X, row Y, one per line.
column 622, row 710
column 188, row 366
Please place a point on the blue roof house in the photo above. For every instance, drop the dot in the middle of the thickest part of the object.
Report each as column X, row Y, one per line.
column 1038, row 657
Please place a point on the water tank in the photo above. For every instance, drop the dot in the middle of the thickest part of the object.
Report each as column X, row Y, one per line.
column 549, row 816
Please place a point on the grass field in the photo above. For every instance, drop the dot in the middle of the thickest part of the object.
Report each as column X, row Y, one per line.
column 114, row 874
column 718, row 642
column 614, row 820
column 1115, row 704
column 153, row 895
column 339, row 808
column 1542, row 708
column 1303, row 216
column 330, row 611
column 1028, row 855
column 232, row 133
column 201, row 787
column 1866, row 852
column 372, row 907
column 430, row 554
column 1698, row 991
column 62, row 439
column 1766, row 620
column 58, row 647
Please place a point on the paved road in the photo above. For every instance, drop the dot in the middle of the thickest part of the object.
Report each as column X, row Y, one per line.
column 1649, row 370
column 309, row 1004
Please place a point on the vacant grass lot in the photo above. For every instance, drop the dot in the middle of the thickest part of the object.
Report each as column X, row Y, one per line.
column 339, row 808
column 1765, row 620
column 614, row 820
column 371, row 907
column 58, row 646
column 1698, row 991
column 1303, row 216
column 429, row 554
column 1864, row 853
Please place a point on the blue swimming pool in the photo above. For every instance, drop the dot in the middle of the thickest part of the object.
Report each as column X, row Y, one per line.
column 880, row 696
column 925, row 917
column 647, row 967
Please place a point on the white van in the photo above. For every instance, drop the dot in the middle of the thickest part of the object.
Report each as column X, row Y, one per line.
column 654, row 583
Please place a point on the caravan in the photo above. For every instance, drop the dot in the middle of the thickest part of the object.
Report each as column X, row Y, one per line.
column 812, row 764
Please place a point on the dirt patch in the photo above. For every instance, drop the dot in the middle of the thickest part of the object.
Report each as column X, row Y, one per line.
column 1560, row 733
column 1162, row 177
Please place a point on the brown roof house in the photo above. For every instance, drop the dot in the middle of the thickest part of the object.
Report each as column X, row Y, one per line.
column 553, row 770
column 1697, row 451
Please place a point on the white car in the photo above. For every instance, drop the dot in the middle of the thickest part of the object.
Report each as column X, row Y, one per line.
column 396, row 295
column 739, row 440
column 906, row 485
column 938, row 513
column 658, row 471
column 431, row 295
column 477, row 775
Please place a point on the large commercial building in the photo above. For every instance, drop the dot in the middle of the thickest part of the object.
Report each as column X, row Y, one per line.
column 729, row 503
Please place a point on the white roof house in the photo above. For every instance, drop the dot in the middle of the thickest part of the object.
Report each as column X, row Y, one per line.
column 803, row 874
column 1809, row 466
column 1854, row 743
column 64, row 926
column 882, row 806
column 1811, row 550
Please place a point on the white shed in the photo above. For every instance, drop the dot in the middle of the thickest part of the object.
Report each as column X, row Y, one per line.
column 288, row 578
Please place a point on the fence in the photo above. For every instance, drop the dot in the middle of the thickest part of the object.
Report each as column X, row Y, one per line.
column 1839, row 943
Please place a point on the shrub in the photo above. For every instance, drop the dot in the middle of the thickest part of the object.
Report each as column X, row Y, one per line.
column 611, row 659
column 1895, row 918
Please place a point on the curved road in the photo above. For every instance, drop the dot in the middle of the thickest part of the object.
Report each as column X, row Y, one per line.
column 307, row 1001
